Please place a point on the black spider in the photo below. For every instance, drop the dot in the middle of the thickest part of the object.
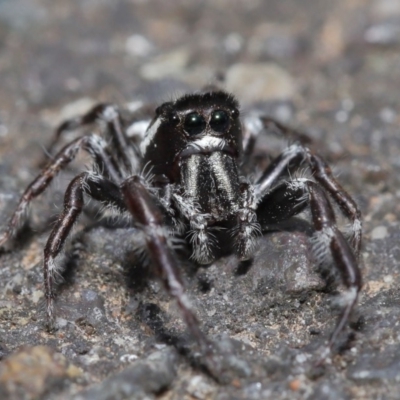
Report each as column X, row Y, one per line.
column 195, row 151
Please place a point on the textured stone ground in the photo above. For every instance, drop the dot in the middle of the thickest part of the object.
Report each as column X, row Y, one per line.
column 329, row 68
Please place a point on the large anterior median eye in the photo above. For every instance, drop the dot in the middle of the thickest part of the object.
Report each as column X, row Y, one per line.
column 194, row 123
column 219, row 121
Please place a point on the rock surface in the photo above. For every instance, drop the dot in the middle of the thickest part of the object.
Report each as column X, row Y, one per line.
column 335, row 72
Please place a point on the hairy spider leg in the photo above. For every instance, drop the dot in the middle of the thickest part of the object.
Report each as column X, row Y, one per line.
column 291, row 197
column 141, row 205
column 344, row 258
column 247, row 227
column 282, row 202
column 73, row 124
column 93, row 144
column 120, row 143
column 291, row 159
column 203, row 240
column 98, row 188
column 287, row 132
column 200, row 237
column 271, row 198
column 254, row 125
column 323, row 174
column 125, row 151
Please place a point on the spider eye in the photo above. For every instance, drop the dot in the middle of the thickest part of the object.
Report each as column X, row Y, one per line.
column 219, row 121
column 173, row 118
column 194, row 123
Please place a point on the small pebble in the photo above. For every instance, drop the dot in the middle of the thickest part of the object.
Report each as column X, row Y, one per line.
column 379, row 232
column 261, row 81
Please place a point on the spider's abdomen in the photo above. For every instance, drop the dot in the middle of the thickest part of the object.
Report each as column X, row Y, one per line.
column 212, row 181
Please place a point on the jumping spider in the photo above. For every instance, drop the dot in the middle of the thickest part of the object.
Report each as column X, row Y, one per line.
column 195, row 151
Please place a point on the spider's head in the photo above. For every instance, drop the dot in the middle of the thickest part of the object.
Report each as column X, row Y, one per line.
column 194, row 124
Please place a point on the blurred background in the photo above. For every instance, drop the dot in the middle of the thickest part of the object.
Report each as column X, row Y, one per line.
column 330, row 68
column 330, row 62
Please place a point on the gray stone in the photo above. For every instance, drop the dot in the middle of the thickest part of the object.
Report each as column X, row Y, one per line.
column 262, row 81
column 139, row 381
column 306, row 63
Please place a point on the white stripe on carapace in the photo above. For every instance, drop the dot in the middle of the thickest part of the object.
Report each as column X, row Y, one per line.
column 138, row 129
column 149, row 135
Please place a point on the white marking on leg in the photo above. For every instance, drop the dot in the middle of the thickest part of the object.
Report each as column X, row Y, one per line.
column 97, row 142
column 357, row 225
column 293, row 149
column 246, row 233
column 110, row 113
column 349, row 296
column 54, row 270
column 298, row 183
column 321, row 242
column 356, row 229
column 253, row 124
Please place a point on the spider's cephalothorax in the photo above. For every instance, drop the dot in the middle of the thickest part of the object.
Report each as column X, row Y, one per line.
column 195, row 152
column 192, row 148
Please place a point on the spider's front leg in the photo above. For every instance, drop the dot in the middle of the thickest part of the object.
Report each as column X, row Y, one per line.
column 279, row 201
column 98, row 188
column 290, row 160
column 290, row 198
column 141, row 205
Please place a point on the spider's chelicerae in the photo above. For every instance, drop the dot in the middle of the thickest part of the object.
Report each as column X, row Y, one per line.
column 196, row 150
